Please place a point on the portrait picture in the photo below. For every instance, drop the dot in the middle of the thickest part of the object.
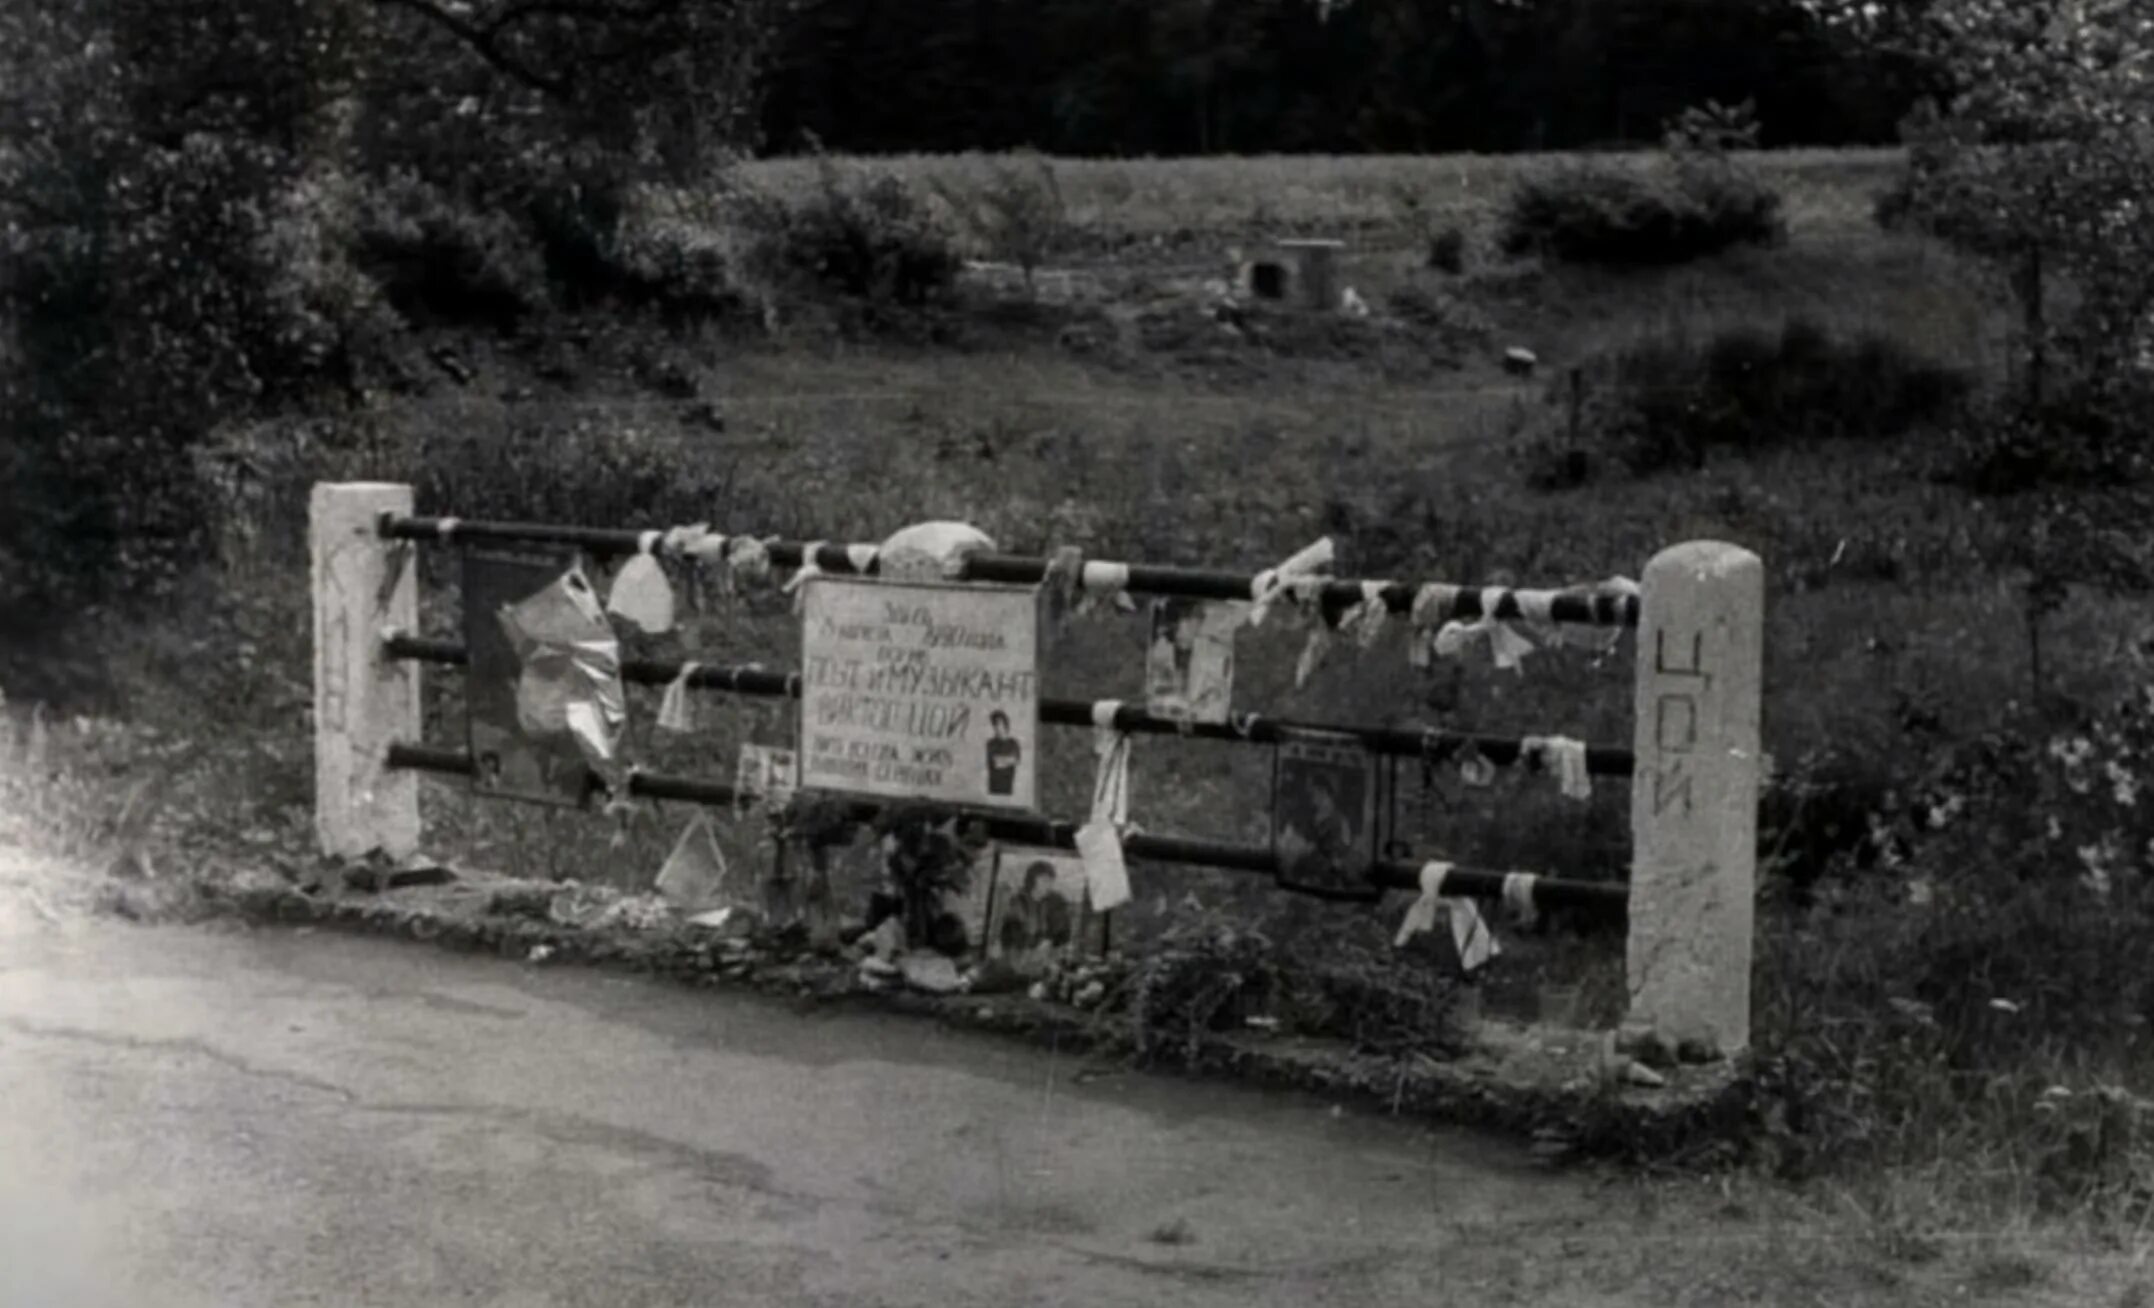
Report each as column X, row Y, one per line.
column 1004, row 753
column 506, row 762
column 1324, row 816
column 1037, row 910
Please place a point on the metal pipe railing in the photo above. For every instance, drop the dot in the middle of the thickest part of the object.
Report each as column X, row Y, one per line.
column 1419, row 743
column 1387, row 874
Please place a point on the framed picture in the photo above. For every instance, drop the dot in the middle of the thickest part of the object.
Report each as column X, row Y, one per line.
column 1037, row 908
column 507, row 763
column 1323, row 814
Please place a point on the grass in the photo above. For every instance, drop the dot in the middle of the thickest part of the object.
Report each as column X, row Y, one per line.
column 1206, row 450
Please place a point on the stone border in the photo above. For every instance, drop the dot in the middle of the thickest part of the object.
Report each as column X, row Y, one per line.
column 1538, row 1084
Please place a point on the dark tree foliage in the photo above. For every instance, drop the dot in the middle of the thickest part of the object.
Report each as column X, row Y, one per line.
column 1170, row 77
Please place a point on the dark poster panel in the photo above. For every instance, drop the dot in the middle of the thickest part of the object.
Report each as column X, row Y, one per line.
column 508, row 764
column 1323, row 811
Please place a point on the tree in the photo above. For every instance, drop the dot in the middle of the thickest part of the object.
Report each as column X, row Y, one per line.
column 2041, row 160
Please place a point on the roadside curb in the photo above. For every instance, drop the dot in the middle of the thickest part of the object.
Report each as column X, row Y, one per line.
column 1542, row 1086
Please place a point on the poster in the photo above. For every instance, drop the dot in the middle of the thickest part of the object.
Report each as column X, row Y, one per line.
column 1324, row 817
column 506, row 762
column 921, row 691
column 1036, row 909
column 1189, row 663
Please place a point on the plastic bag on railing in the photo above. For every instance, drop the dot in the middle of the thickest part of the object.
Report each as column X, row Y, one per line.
column 571, row 678
column 642, row 596
column 931, row 551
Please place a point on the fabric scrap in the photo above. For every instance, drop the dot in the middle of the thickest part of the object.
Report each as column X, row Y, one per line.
column 695, row 872
column 1272, row 584
column 1099, row 845
column 810, row 568
column 1518, row 897
column 677, row 707
column 1566, row 758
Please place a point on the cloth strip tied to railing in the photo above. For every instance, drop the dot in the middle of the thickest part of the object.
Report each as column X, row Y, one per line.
column 1577, row 606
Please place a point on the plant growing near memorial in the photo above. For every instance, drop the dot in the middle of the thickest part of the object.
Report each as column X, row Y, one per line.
column 928, row 856
column 1985, row 982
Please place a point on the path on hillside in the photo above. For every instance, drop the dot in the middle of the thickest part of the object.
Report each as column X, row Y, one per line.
column 219, row 1116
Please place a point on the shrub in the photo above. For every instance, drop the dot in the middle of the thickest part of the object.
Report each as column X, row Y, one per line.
column 1664, row 403
column 871, row 241
column 1699, row 202
column 439, row 259
column 1019, row 215
column 1597, row 215
column 1989, row 988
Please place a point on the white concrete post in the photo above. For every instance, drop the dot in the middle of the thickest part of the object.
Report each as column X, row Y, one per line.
column 363, row 586
column 1701, row 646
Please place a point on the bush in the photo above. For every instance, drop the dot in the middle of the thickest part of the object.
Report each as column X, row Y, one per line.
column 1699, row 203
column 1019, row 215
column 436, row 259
column 1988, row 991
column 871, row 241
column 1596, row 215
column 1663, row 404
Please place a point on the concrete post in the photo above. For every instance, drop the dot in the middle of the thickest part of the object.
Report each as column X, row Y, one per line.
column 1694, row 802
column 363, row 586
column 1316, row 273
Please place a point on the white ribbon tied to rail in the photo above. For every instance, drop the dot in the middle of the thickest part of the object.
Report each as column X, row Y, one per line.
column 1099, row 840
column 1564, row 757
column 1105, row 584
column 1268, row 586
column 1476, row 945
column 1432, row 608
column 1505, row 645
column 1518, row 897
column 641, row 595
column 677, row 708
column 810, row 568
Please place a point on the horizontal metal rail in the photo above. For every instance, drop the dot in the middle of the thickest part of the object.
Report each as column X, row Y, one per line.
column 1546, row 892
column 1248, row 728
column 1576, row 606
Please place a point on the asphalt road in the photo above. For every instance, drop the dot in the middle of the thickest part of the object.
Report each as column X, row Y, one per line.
column 222, row 1117
column 233, row 1118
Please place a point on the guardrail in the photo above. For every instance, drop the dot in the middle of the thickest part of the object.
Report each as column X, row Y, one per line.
column 1694, row 763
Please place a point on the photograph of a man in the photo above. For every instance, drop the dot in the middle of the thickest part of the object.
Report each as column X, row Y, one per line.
column 1004, row 753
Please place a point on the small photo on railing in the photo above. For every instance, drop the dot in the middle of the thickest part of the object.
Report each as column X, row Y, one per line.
column 509, row 759
column 1323, row 813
